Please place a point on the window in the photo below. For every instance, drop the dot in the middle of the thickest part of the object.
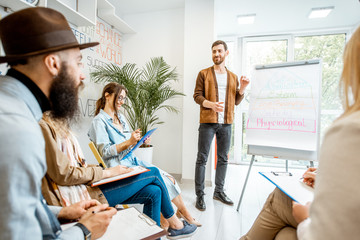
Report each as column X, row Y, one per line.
column 257, row 51
column 263, row 52
column 229, row 61
column 230, row 64
column 329, row 48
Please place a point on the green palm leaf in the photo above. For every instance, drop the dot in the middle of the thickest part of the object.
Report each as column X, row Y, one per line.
column 148, row 90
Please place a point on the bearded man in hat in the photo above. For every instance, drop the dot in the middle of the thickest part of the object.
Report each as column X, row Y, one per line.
column 45, row 74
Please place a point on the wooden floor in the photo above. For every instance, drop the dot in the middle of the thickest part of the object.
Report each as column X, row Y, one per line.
column 222, row 222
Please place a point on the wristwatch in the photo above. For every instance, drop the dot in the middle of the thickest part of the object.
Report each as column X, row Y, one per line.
column 87, row 233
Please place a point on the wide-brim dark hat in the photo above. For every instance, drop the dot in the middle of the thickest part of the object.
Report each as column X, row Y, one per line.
column 34, row 31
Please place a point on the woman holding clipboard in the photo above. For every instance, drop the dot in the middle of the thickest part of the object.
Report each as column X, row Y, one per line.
column 68, row 179
column 111, row 135
column 334, row 212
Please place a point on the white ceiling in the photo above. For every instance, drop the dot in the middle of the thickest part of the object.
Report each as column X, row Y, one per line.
column 278, row 16
column 272, row 17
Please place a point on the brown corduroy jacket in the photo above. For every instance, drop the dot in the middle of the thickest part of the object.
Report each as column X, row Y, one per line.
column 207, row 89
column 62, row 173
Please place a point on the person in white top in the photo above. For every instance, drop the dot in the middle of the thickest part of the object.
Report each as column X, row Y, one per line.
column 335, row 211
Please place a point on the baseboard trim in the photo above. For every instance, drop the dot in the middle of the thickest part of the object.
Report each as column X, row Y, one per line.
column 189, row 181
column 181, row 180
column 176, row 176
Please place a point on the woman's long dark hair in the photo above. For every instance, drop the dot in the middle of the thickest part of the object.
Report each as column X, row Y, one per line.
column 110, row 88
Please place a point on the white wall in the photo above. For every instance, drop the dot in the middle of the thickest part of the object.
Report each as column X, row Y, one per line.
column 199, row 34
column 91, row 56
column 183, row 37
column 161, row 34
column 109, row 51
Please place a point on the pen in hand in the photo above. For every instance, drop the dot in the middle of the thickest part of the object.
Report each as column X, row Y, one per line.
column 94, row 212
column 302, row 178
column 309, row 177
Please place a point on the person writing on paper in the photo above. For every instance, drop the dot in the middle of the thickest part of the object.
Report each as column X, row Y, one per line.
column 36, row 42
column 334, row 212
column 110, row 133
column 217, row 91
column 275, row 221
column 83, row 213
column 68, row 176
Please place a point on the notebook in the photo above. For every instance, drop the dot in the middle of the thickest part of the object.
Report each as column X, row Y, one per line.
column 136, row 170
column 142, row 140
column 130, row 224
column 292, row 186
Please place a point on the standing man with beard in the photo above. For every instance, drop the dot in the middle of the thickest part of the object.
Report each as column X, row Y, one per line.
column 217, row 91
column 45, row 73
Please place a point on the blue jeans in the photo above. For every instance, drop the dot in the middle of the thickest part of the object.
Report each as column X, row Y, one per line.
column 146, row 188
column 223, row 138
column 173, row 189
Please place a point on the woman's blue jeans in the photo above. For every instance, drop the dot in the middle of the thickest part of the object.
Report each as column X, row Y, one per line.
column 146, row 188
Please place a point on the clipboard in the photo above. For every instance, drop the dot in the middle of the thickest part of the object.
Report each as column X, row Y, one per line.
column 130, row 224
column 292, row 186
column 136, row 170
column 140, row 142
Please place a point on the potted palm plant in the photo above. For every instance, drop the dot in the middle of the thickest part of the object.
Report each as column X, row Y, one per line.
column 148, row 90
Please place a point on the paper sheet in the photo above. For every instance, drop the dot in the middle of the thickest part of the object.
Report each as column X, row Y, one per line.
column 128, row 224
column 292, row 186
column 284, row 108
column 136, row 170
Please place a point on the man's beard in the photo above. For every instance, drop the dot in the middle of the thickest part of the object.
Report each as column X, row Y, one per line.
column 64, row 96
column 218, row 62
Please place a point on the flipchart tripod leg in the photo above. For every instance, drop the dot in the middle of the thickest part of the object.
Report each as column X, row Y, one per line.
column 247, row 177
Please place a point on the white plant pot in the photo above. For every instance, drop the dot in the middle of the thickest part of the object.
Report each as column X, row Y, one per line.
column 144, row 154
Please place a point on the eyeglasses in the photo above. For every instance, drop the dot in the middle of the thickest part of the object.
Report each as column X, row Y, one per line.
column 122, row 98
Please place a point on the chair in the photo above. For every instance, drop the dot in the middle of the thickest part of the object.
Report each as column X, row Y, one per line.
column 103, row 165
column 97, row 155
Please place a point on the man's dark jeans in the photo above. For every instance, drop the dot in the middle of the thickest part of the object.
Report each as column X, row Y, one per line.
column 206, row 135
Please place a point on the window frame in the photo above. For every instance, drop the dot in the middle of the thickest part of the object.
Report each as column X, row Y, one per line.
column 240, row 65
